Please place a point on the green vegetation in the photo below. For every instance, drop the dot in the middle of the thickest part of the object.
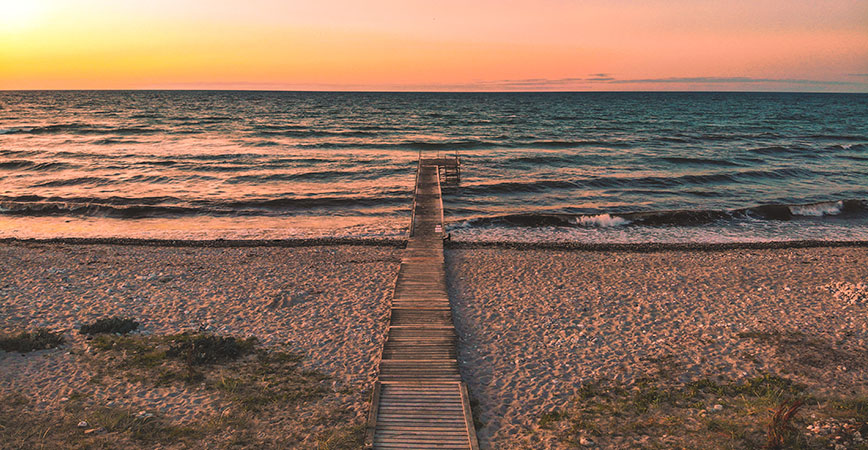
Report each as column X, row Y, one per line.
column 345, row 438
column 268, row 399
column 236, row 368
column 25, row 341
column 269, row 377
column 102, row 427
column 201, row 349
column 781, row 432
column 764, row 412
column 109, row 325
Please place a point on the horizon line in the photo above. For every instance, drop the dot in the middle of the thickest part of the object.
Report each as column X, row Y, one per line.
column 374, row 91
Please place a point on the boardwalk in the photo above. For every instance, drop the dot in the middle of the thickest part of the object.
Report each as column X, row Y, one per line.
column 419, row 401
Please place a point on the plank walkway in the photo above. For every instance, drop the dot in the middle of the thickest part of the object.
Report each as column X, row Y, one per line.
column 419, row 401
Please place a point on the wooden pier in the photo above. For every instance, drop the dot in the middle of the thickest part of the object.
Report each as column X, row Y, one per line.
column 419, row 401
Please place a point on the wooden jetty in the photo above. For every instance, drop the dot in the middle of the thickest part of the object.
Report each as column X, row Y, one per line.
column 419, row 401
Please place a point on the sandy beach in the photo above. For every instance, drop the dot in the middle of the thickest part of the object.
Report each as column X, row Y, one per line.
column 329, row 304
column 533, row 324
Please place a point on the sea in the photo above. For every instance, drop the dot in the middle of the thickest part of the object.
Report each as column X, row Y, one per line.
column 632, row 167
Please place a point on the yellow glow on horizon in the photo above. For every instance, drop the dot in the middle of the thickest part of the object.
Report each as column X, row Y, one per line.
column 414, row 45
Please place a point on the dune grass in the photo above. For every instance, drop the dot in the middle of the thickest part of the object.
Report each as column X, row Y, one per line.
column 109, row 325
column 28, row 341
column 763, row 412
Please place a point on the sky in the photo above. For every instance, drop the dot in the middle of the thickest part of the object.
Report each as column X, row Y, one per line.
column 447, row 45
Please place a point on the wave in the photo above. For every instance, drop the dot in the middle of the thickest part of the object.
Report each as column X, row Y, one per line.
column 539, row 159
column 19, row 153
column 81, row 128
column 146, row 116
column 636, row 182
column 775, row 150
column 517, row 186
column 74, row 182
column 469, row 144
column 113, row 200
column 166, row 207
column 700, row 161
column 314, row 133
column 854, row 157
column 88, row 209
column 23, row 164
column 818, row 209
column 113, row 141
column 675, row 139
column 773, row 212
column 318, row 175
column 839, row 137
column 262, row 144
column 16, row 164
column 15, row 130
column 543, row 144
column 601, row 220
column 845, row 147
column 465, row 144
column 205, row 120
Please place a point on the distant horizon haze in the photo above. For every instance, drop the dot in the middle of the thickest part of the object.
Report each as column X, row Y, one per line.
column 364, row 91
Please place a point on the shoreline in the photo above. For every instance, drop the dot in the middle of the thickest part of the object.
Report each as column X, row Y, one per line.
column 216, row 243
column 638, row 247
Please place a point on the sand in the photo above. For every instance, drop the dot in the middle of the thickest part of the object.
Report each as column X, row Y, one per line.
column 534, row 324
column 327, row 303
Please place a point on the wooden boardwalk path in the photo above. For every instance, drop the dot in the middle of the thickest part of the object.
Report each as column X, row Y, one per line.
column 419, row 401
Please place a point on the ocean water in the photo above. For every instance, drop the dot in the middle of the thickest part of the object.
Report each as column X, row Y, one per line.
column 587, row 167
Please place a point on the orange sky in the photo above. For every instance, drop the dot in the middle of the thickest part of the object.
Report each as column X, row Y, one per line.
column 819, row 45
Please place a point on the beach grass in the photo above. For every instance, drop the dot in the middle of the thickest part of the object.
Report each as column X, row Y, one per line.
column 763, row 412
column 110, row 325
column 235, row 367
column 28, row 341
column 259, row 386
column 80, row 425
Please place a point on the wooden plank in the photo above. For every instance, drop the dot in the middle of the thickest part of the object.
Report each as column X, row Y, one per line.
column 372, row 417
column 468, row 417
column 419, row 401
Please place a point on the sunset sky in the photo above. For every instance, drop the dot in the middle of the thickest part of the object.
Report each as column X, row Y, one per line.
column 818, row 45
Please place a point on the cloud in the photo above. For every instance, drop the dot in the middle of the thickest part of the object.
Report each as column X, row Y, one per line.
column 598, row 80
column 595, row 81
column 545, row 82
column 730, row 80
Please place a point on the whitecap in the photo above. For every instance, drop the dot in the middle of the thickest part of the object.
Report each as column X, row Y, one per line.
column 601, row 220
column 818, row 209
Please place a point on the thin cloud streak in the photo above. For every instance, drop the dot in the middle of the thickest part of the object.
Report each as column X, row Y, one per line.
column 591, row 82
column 725, row 80
column 594, row 81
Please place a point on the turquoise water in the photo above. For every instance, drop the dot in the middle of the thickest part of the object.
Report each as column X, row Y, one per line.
column 600, row 167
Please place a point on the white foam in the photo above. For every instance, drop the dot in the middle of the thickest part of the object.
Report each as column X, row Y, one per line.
column 14, row 130
column 601, row 220
column 818, row 209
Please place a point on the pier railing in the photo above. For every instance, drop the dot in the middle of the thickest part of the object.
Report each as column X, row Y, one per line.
column 415, row 192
